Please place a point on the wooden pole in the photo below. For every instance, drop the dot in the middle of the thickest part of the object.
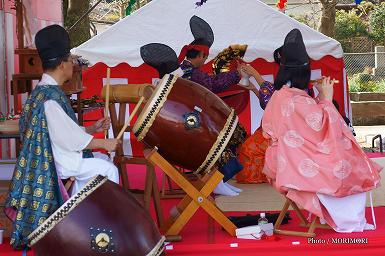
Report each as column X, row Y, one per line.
column 107, row 101
column 130, row 118
column 19, row 23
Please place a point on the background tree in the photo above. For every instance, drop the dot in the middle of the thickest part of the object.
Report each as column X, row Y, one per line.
column 348, row 25
column 311, row 17
column 72, row 11
column 115, row 10
column 121, row 5
column 308, row 19
column 377, row 23
column 364, row 9
column 328, row 17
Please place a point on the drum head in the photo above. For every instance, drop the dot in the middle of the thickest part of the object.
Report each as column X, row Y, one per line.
column 153, row 106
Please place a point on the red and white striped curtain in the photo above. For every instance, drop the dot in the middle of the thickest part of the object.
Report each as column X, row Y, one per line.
column 37, row 15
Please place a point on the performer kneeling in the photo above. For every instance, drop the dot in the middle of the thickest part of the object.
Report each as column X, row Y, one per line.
column 313, row 157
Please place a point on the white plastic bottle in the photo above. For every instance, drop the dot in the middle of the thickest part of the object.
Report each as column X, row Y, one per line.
column 262, row 219
column 264, row 224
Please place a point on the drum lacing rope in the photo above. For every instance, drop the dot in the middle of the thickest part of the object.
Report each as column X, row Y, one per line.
column 155, row 106
column 219, row 146
column 65, row 209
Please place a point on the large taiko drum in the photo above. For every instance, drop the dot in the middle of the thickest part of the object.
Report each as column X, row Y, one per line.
column 101, row 219
column 189, row 124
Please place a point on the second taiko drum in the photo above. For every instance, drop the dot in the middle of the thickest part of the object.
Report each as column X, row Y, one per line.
column 189, row 124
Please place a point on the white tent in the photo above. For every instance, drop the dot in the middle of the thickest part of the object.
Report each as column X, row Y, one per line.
column 249, row 22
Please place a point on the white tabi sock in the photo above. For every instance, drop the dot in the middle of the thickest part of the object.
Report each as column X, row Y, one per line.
column 222, row 189
column 235, row 189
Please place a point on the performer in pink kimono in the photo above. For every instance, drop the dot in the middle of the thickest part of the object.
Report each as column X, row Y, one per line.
column 313, row 157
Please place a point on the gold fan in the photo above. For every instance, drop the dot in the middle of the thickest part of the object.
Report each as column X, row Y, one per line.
column 222, row 62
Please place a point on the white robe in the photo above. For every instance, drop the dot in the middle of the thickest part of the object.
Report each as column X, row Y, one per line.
column 348, row 213
column 68, row 140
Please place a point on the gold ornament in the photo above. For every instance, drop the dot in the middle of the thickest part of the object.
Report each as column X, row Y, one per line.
column 222, row 62
column 102, row 240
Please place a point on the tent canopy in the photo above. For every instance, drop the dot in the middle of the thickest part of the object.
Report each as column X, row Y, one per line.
column 249, row 22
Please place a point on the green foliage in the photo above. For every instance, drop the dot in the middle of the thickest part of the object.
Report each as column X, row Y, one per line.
column 113, row 17
column 377, row 23
column 364, row 9
column 363, row 82
column 130, row 7
column 349, row 24
column 346, row 45
column 381, row 86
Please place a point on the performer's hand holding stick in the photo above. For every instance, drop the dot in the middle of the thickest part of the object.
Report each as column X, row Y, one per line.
column 130, row 118
column 325, row 89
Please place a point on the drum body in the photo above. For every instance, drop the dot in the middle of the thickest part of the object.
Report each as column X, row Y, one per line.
column 189, row 124
column 102, row 219
column 128, row 93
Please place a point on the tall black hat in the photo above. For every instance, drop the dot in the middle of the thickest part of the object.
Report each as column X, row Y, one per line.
column 203, row 37
column 161, row 57
column 52, row 43
column 293, row 52
column 201, row 30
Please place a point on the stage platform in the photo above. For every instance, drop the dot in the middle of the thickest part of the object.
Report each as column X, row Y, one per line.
column 203, row 236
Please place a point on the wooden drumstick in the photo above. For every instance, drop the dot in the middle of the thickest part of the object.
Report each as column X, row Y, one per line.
column 319, row 80
column 107, row 102
column 130, row 118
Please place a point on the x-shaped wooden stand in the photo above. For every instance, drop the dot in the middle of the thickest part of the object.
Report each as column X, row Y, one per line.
column 197, row 195
column 304, row 222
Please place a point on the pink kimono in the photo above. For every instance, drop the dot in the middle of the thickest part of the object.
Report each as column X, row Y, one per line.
column 313, row 155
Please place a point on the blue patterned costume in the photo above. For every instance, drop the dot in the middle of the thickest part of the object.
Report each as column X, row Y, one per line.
column 34, row 192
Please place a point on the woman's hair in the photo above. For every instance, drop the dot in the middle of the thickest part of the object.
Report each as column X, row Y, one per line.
column 192, row 53
column 298, row 76
column 294, row 62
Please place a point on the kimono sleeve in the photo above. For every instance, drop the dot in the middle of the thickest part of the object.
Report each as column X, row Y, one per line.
column 63, row 131
column 215, row 83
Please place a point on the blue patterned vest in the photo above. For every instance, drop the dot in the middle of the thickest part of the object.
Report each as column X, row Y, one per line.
column 34, row 192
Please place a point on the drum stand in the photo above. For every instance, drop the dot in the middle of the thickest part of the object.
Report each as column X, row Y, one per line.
column 197, row 195
column 303, row 222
